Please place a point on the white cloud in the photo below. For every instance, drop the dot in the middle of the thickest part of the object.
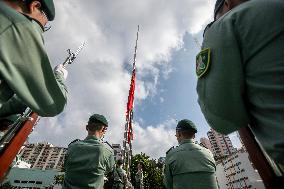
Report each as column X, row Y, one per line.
column 154, row 140
column 98, row 81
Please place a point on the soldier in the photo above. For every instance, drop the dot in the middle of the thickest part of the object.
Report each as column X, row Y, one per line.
column 241, row 71
column 139, row 176
column 26, row 76
column 189, row 165
column 88, row 160
column 120, row 176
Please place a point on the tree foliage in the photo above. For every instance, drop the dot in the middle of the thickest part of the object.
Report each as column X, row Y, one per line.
column 6, row 185
column 58, row 179
column 152, row 171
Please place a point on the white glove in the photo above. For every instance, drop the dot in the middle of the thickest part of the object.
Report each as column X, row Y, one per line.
column 62, row 70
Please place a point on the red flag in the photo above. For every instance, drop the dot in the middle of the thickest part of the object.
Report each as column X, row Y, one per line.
column 129, row 132
column 130, row 129
column 131, row 95
column 129, row 111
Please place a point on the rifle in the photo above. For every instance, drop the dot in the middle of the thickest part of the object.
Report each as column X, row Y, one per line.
column 267, row 169
column 19, row 131
column 15, row 138
column 72, row 56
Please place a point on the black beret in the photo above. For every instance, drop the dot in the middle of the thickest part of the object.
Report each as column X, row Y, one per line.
column 119, row 162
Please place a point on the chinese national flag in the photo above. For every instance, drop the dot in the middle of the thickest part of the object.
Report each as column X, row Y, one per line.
column 129, row 111
column 131, row 95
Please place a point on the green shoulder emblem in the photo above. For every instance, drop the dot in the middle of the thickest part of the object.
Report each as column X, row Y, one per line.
column 202, row 62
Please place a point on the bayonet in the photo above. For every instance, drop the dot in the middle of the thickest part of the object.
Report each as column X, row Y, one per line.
column 72, row 56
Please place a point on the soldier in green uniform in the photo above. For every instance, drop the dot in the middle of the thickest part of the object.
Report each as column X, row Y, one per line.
column 241, row 71
column 120, row 176
column 26, row 76
column 88, row 160
column 139, row 178
column 189, row 165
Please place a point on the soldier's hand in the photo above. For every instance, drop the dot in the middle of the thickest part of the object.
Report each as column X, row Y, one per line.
column 62, row 70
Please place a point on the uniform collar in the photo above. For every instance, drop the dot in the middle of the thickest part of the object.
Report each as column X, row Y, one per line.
column 186, row 141
column 92, row 137
column 33, row 20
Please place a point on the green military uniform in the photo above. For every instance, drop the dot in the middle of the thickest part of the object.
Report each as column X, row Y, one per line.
column 86, row 163
column 190, row 166
column 120, row 178
column 241, row 73
column 139, row 180
column 26, row 75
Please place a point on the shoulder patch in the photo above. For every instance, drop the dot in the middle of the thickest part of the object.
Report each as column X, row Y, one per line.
column 170, row 149
column 74, row 141
column 202, row 62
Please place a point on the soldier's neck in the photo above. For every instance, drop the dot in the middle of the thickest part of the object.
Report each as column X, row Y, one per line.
column 95, row 133
column 14, row 5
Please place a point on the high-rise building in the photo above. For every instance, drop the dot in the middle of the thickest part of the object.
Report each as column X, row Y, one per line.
column 221, row 144
column 237, row 171
column 206, row 143
column 43, row 156
column 117, row 151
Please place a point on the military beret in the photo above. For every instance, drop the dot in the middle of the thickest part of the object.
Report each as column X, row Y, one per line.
column 98, row 118
column 218, row 6
column 119, row 162
column 48, row 8
column 186, row 124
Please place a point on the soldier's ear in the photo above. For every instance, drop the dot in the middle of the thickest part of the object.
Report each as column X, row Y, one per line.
column 178, row 134
column 34, row 6
column 227, row 4
column 230, row 4
column 87, row 128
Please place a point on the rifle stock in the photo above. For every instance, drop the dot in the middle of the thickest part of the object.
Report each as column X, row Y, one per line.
column 267, row 169
column 11, row 149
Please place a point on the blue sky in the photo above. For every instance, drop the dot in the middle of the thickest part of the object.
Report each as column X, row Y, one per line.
column 98, row 81
column 176, row 95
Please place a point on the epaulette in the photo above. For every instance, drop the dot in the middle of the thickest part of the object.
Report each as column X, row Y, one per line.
column 76, row 140
column 170, row 149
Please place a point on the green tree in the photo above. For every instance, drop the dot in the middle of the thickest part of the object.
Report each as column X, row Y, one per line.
column 152, row 171
column 6, row 185
column 58, row 179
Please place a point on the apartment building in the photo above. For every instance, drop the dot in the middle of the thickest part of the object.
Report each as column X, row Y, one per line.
column 43, row 156
column 117, row 151
column 237, row 172
column 206, row 143
column 221, row 144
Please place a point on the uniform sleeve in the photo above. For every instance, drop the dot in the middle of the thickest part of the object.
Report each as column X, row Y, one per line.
column 13, row 106
column 110, row 162
column 26, row 68
column 221, row 89
column 65, row 164
column 168, row 178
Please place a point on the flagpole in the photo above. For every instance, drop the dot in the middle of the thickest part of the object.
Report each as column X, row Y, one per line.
column 128, row 133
